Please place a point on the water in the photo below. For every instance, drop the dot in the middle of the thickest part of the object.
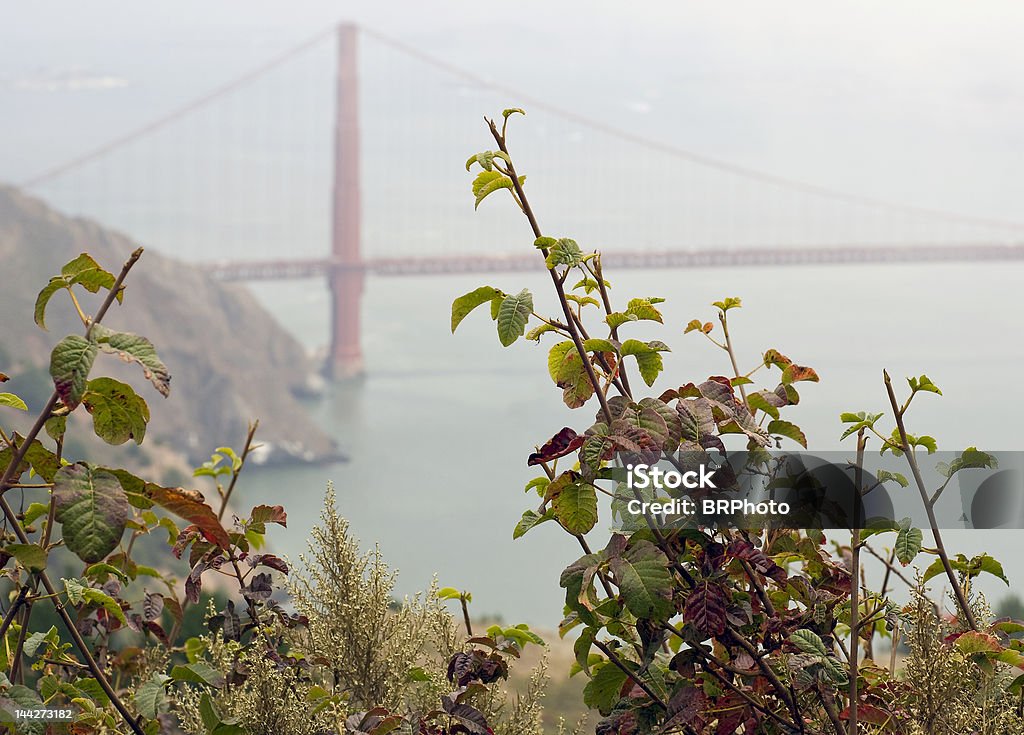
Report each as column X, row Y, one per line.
column 440, row 428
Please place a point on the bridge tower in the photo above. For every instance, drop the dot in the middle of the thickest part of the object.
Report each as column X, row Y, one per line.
column 345, row 279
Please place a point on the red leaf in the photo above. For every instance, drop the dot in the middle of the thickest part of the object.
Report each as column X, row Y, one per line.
column 561, row 444
column 190, row 505
column 270, row 514
column 705, row 608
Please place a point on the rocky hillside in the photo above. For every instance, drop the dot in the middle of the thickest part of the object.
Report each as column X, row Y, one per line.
column 230, row 361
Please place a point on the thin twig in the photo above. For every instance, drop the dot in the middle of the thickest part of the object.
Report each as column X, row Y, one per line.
column 15, row 606
column 958, row 591
column 234, row 475
column 858, row 484
column 732, row 354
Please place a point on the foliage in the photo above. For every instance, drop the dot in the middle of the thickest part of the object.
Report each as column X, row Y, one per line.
column 343, row 658
column 710, row 629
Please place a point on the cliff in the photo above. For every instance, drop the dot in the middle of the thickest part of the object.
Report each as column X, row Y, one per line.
column 230, row 361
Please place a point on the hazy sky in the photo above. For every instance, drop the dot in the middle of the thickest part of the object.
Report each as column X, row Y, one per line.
column 917, row 101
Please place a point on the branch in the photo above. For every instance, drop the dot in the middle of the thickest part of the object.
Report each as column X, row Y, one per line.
column 958, row 591
column 499, row 138
column 241, row 464
column 732, row 354
column 855, row 545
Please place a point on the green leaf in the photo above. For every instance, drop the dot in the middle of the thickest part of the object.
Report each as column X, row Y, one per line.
column 924, row 383
column 576, row 507
column 198, row 672
column 582, row 300
column 88, row 273
column 758, row 402
column 30, row 556
column 569, row 373
column 513, row 315
column 92, row 689
column 534, row 334
column 118, row 412
column 466, row 303
column 617, row 318
column 988, row 565
column 530, row 519
column 644, row 309
column 602, row 691
column 35, row 640
column 564, row 252
column 35, row 511
column 596, row 344
column 83, row 271
column 808, row 642
column 731, row 302
column 11, row 400
column 70, row 363
column 644, row 580
column 508, row 112
column 543, row 243
column 150, row 696
column 648, row 360
column 789, row 430
column 488, row 182
column 860, row 420
column 934, row 569
column 970, row 458
column 93, row 509
column 56, row 426
column 133, row 348
column 589, row 285
column 908, row 544
column 56, row 284
column 79, row 593
column 538, row 483
column 556, row 358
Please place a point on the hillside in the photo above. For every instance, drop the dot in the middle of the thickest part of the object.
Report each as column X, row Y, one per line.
column 230, row 360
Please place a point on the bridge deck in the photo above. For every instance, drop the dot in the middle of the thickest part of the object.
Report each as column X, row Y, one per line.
column 530, row 261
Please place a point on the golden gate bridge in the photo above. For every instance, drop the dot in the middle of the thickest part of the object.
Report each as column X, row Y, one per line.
column 758, row 219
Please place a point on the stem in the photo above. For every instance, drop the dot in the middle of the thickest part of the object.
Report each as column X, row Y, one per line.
column 9, row 617
column 759, row 588
column 465, row 615
column 855, row 583
column 16, row 672
column 234, row 475
column 958, row 591
column 78, row 307
column 499, row 138
column 732, row 355
column 889, row 565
